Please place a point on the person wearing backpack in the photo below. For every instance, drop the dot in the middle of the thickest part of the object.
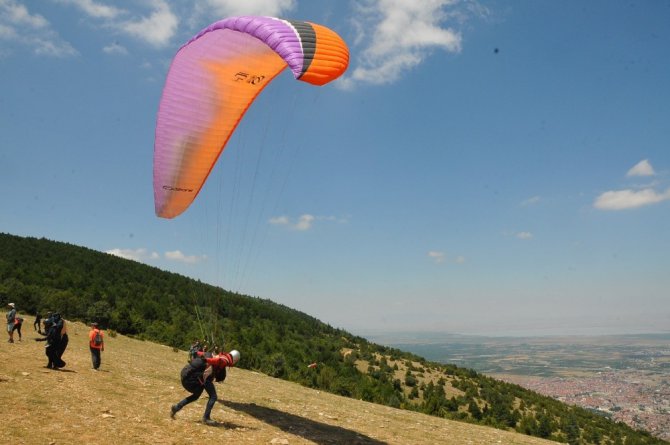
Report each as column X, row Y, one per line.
column 96, row 344
column 53, row 327
column 52, row 337
column 61, row 325
column 199, row 376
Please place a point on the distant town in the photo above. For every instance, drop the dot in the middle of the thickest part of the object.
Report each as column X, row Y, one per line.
column 626, row 378
column 637, row 398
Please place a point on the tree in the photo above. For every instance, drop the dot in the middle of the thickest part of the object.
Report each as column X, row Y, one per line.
column 410, row 380
column 544, row 427
column 570, row 427
column 100, row 312
column 327, row 378
column 528, row 425
column 474, row 410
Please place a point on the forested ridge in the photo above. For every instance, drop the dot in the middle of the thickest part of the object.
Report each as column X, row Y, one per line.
column 148, row 303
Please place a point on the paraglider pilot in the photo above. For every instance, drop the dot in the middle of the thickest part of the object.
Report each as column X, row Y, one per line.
column 199, row 376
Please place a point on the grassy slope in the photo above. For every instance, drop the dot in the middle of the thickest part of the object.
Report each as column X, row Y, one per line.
column 128, row 401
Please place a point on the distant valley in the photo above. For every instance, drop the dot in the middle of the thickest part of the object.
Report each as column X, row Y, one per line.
column 624, row 377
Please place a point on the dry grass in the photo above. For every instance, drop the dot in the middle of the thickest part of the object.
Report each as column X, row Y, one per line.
column 128, row 402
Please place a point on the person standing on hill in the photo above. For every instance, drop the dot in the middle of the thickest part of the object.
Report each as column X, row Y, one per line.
column 199, row 376
column 61, row 326
column 47, row 322
column 37, row 325
column 50, row 339
column 18, row 321
column 96, row 344
column 53, row 343
column 11, row 319
column 53, row 326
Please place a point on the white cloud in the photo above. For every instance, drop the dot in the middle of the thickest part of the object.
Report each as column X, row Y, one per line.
column 144, row 255
column 217, row 9
column 19, row 26
column 304, row 222
column 439, row 257
column 18, row 14
column 93, row 9
column 642, row 168
column 157, row 29
column 436, row 256
column 629, row 199
column 530, row 201
column 7, row 32
column 524, row 235
column 280, row 220
column 134, row 254
column 115, row 48
column 398, row 35
column 177, row 255
column 57, row 48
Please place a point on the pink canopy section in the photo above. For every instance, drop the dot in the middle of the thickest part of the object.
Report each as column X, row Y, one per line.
column 211, row 83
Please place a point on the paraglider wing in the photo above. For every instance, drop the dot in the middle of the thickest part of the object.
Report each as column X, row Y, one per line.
column 211, row 83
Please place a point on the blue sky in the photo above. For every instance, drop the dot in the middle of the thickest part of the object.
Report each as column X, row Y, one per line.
column 483, row 167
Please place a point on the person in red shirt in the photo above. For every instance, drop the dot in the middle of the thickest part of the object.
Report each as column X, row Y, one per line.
column 97, row 344
column 199, row 376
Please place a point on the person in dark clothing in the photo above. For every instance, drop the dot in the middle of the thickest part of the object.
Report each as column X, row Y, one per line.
column 47, row 322
column 54, row 350
column 54, row 344
column 61, row 325
column 199, row 376
column 37, row 325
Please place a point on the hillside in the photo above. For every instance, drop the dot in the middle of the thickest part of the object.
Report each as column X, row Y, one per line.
column 128, row 401
column 146, row 303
